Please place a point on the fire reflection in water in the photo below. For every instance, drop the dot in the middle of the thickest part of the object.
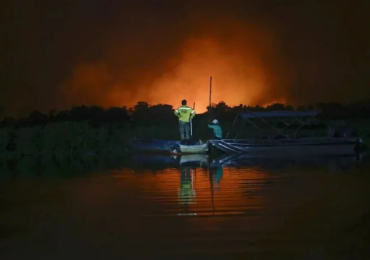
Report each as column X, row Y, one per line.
column 186, row 193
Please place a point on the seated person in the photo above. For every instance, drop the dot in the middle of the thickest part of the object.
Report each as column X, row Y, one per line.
column 217, row 130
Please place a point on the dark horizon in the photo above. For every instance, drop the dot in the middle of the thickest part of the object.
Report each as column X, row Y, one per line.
column 360, row 108
column 59, row 54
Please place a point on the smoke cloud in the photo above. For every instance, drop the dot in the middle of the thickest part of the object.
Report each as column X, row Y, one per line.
column 57, row 54
column 176, row 62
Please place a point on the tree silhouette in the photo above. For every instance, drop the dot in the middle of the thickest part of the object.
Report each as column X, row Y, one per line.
column 36, row 117
column 140, row 114
column 114, row 114
column 145, row 115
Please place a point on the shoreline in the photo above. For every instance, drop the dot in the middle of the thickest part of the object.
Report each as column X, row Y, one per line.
column 87, row 139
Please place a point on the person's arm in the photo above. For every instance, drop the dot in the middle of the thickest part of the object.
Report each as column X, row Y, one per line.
column 176, row 112
column 192, row 114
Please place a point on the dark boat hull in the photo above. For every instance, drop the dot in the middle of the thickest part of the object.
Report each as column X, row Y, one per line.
column 289, row 148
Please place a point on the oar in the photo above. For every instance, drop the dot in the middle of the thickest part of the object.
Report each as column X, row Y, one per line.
column 191, row 124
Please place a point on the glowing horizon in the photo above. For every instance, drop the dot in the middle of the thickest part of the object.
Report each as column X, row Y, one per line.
column 244, row 63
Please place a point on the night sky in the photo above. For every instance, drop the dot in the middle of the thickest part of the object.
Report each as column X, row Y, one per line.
column 56, row 54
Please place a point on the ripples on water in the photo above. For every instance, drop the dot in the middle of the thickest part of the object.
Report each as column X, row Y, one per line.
column 154, row 208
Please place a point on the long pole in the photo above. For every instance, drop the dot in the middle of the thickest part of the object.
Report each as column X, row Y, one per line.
column 191, row 123
column 210, row 93
column 210, row 100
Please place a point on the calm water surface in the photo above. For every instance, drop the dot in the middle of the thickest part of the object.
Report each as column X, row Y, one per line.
column 155, row 208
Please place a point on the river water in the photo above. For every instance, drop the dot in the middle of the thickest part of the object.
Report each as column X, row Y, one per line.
column 166, row 208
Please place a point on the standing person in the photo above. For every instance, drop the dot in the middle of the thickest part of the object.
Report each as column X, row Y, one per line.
column 185, row 114
column 217, row 130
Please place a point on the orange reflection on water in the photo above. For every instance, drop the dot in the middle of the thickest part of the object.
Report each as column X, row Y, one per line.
column 200, row 191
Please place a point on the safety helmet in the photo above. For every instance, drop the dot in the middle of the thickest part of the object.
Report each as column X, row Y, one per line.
column 215, row 121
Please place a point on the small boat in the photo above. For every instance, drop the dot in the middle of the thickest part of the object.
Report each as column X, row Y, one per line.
column 283, row 138
column 169, row 146
column 191, row 149
column 291, row 148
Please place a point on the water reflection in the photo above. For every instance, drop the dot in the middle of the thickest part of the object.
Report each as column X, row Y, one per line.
column 155, row 163
column 187, row 194
column 216, row 174
column 332, row 164
column 193, row 159
column 187, row 191
column 228, row 205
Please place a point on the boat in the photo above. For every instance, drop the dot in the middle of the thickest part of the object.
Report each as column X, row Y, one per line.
column 191, row 149
column 283, row 138
column 169, row 146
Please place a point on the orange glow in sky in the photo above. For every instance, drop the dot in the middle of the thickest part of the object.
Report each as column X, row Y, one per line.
column 244, row 63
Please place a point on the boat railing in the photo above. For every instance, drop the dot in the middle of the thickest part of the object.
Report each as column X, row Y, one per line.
column 288, row 119
column 307, row 140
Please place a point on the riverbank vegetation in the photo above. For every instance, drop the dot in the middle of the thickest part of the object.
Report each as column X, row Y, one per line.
column 92, row 131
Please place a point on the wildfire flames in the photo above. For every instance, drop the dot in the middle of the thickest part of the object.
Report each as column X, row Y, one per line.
column 243, row 61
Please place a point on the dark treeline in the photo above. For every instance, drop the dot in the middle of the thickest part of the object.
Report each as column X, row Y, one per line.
column 143, row 114
column 92, row 131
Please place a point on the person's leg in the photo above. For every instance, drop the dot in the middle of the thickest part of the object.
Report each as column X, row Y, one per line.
column 182, row 130
column 187, row 131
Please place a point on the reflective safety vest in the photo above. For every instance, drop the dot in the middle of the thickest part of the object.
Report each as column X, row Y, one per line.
column 185, row 113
